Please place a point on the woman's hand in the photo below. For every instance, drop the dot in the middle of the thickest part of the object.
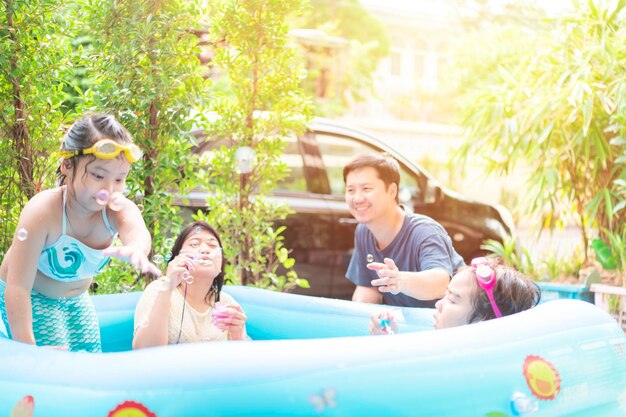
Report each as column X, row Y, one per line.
column 178, row 270
column 230, row 318
column 383, row 323
column 136, row 257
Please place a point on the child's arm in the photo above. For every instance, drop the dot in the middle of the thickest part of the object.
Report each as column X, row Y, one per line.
column 22, row 263
column 134, row 236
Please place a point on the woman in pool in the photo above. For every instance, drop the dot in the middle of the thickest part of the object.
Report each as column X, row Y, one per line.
column 483, row 291
column 64, row 237
column 187, row 304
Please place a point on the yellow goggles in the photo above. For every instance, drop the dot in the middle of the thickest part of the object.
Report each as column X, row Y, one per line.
column 105, row 149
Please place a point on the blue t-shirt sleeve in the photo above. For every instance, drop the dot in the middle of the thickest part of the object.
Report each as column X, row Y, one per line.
column 435, row 252
column 357, row 272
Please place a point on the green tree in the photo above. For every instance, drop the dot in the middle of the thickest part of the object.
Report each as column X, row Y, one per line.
column 146, row 71
column 343, row 55
column 33, row 49
column 550, row 99
column 262, row 104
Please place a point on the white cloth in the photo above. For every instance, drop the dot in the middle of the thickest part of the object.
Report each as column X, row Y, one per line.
column 196, row 326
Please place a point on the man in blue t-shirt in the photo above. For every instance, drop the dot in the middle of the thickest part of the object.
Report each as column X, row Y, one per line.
column 406, row 259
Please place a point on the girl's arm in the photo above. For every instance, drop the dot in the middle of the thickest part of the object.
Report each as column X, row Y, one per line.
column 135, row 238
column 22, row 263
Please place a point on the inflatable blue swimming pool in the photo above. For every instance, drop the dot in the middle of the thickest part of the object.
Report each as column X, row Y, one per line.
column 312, row 356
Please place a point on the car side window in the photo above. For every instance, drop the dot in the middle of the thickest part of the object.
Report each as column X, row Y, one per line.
column 295, row 179
column 337, row 151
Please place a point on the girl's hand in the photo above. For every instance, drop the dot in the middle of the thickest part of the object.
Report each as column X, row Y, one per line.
column 136, row 257
column 383, row 323
column 57, row 347
column 231, row 318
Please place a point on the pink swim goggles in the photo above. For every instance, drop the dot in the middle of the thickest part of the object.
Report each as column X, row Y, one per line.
column 486, row 278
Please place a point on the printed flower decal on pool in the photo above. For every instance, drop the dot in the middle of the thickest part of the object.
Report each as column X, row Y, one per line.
column 131, row 409
column 542, row 378
column 323, row 400
column 24, row 407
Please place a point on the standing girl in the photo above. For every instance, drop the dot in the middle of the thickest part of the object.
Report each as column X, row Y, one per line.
column 62, row 235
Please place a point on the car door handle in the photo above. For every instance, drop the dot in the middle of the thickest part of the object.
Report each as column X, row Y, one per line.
column 347, row 220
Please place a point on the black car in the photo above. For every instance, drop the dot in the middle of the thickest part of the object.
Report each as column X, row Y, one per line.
column 321, row 231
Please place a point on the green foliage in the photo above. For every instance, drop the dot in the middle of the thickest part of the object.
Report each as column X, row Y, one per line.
column 512, row 253
column 343, row 55
column 553, row 100
column 263, row 103
column 617, row 243
column 548, row 267
column 33, row 48
column 146, row 72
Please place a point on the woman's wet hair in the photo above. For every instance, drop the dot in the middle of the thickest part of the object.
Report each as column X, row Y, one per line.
column 513, row 293
column 218, row 282
column 85, row 132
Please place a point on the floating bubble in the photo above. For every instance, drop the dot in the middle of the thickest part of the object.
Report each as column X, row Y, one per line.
column 370, row 258
column 127, row 288
column 22, row 234
column 168, row 256
column 102, row 197
column 302, row 74
column 169, row 242
column 197, row 229
column 117, row 201
column 157, row 259
column 186, row 277
column 140, row 207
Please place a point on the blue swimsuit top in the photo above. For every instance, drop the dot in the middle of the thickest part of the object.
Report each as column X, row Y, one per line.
column 69, row 259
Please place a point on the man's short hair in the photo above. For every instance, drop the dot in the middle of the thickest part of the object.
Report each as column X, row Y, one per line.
column 386, row 166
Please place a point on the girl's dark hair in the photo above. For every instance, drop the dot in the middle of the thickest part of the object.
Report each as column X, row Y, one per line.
column 86, row 132
column 218, row 282
column 513, row 293
column 387, row 168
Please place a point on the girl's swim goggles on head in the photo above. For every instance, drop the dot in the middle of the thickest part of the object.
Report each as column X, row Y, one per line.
column 104, row 149
column 486, row 278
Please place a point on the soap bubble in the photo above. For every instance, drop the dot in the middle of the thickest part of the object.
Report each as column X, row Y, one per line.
column 197, row 229
column 157, row 259
column 117, row 201
column 22, row 234
column 140, row 207
column 370, row 258
column 102, row 197
column 169, row 242
column 186, row 277
column 168, row 256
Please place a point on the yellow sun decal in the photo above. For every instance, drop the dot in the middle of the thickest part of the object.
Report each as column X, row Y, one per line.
column 130, row 409
column 542, row 379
